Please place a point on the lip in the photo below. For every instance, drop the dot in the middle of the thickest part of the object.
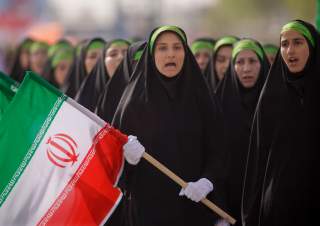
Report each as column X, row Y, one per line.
column 247, row 79
column 170, row 64
column 293, row 61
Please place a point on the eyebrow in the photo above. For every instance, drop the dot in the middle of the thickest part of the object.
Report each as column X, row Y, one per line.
column 164, row 43
column 295, row 39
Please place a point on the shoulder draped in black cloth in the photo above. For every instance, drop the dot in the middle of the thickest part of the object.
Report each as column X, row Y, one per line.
column 77, row 72
column 282, row 167
column 17, row 71
column 112, row 92
column 210, row 73
column 180, row 125
column 238, row 105
column 93, row 85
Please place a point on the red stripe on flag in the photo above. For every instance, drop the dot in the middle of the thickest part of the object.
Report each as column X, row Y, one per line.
column 90, row 195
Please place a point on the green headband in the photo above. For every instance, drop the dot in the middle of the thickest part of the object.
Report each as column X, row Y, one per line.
column 300, row 28
column 198, row 45
column 63, row 54
column 26, row 44
column 56, row 47
column 137, row 55
column 119, row 42
column 96, row 45
column 228, row 40
column 270, row 49
column 38, row 45
column 157, row 32
column 246, row 44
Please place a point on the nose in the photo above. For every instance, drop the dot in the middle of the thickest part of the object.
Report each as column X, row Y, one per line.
column 246, row 67
column 290, row 49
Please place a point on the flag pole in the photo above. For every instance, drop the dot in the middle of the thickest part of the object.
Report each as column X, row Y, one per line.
column 184, row 184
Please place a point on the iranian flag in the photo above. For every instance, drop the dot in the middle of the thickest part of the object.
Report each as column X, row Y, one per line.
column 8, row 88
column 59, row 163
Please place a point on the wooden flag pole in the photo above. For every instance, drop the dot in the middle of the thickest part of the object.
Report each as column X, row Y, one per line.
column 184, row 184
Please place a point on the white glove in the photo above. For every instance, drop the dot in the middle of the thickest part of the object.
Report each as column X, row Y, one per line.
column 222, row 222
column 196, row 191
column 133, row 150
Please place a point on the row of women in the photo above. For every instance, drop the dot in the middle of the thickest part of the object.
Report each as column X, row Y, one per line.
column 241, row 133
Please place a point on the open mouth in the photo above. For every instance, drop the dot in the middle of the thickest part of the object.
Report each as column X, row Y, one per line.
column 293, row 60
column 171, row 64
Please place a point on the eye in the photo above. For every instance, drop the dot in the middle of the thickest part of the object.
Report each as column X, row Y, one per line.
column 284, row 44
column 162, row 48
column 177, row 47
column 253, row 61
column 221, row 59
column 240, row 62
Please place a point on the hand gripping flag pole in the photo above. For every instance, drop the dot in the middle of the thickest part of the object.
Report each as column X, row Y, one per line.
column 184, row 184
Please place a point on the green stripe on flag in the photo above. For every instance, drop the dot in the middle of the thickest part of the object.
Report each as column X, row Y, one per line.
column 8, row 88
column 23, row 126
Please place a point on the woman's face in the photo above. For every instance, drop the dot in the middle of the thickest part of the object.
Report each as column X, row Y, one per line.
column 91, row 59
column 61, row 71
column 202, row 58
column 294, row 50
column 169, row 54
column 114, row 55
column 38, row 60
column 222, row 61
column 24, row 58
column 247, row 67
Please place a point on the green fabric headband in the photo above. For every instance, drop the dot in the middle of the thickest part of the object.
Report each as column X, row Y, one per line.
column 56, row 47
column 246, row 44
column 157, row 32
column 96, row 45
column 228, row 40
column 63, row 54
column 300, row 28
column 119, row 42
column 198, row 45
column 38, row 45
column 270, row 49
column 137, row 55
column 27, row 44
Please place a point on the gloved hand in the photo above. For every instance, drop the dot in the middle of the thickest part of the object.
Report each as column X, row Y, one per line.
column 196, row 191
column 222, row 222
column 133, row 150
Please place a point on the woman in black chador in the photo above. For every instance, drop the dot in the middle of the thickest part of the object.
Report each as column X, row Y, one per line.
column 282, row 169
column 112, row 91
column 239, row 93
column 168, row 107
column 93, row 85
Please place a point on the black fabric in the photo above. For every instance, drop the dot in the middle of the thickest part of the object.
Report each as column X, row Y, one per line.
column 238, row 105
column 282, row 170
column 112, row 92
column 94, row 84
column 77, row 72
column 17, row 72
column 180, row 125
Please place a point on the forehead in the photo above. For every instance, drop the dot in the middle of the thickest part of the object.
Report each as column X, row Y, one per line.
column 247, row 53
column 203, row 51
column 117, row 47
column 93, row 51
column 168, row 38
column 224, row 50
column 291, row 34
